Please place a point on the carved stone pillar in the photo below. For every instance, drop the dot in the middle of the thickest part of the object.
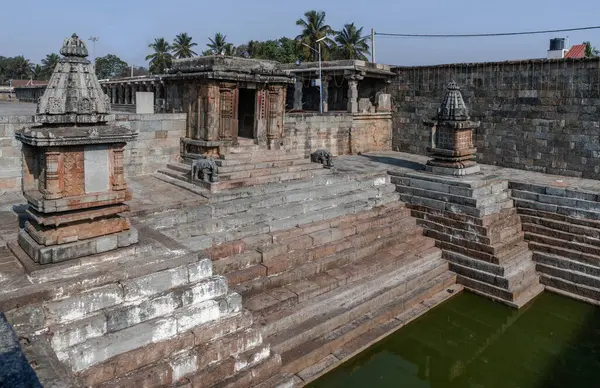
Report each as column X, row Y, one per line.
column 275, row 104
column 352, row 95
column 298, row 95
column 226, row 113
column 53, row 165
column 212, row 112
column 128, row 94
column 113, row 94
column 133, row 91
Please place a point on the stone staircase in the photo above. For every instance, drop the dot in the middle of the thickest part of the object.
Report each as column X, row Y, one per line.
column 473, row 220
column 320, row 287
column 247, row 164
column 255, row 210
column 563, row 229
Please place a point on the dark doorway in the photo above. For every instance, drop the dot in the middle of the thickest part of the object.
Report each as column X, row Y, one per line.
column 246, row 105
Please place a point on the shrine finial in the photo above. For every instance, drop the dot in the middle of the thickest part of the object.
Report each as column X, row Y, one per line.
column 453, row 107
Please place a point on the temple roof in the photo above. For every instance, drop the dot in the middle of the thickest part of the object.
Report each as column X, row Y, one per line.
column 73, row 94
column 453, row 107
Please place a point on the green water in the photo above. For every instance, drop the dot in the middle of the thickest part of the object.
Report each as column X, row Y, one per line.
column 471, row 342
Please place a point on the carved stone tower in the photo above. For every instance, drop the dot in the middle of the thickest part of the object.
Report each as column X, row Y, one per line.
column 451, row 142
column 73, row 177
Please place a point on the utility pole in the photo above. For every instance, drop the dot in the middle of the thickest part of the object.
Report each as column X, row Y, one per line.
column 318, row 41
column 132, row 70
column 94, row 39
column 373, row 45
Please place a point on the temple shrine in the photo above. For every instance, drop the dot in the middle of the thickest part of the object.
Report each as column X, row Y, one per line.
column 73, row 176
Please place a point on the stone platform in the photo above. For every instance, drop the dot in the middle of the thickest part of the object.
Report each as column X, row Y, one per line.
column 290, row 278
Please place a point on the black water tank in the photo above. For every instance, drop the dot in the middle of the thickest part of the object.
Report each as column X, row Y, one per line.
column 557, row 44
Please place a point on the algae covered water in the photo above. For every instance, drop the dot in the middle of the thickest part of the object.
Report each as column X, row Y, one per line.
column 470, row 342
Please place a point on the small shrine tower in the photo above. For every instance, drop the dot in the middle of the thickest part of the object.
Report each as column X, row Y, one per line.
column 73, row 177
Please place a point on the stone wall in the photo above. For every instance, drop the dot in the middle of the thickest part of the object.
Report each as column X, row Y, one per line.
column 540, row 115
column 340, row 133
column 156, row 145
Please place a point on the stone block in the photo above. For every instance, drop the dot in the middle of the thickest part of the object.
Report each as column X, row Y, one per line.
column 74, row 333
column 107, row 243
column 230, row 304
column 204, row 290
column 97, row 350
column 27, row 319
column 200, row 270
column 79, row 305
column 154, row 283
column 121, row 317
column 194, row 315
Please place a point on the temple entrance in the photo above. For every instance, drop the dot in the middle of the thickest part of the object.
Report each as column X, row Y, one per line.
column 246, row 107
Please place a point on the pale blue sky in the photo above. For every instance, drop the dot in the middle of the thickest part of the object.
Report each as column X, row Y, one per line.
column 36, row 27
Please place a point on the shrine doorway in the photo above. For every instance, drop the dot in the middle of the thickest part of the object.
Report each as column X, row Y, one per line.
column 246, row 108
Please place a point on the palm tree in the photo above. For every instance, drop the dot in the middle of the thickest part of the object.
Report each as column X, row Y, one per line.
column 49, row 63
column 38, row 72
column 161, row 58
column 351, row 43
column 590, row 51
column 182, row 46
column 21, row 67
column 218, row 44
column 313, row 29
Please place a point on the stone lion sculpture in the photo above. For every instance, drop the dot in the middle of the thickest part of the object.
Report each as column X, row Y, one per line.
column 204, row 170
column 322, row 156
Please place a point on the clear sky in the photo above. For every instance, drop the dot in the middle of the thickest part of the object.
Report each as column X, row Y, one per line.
column 35, row 28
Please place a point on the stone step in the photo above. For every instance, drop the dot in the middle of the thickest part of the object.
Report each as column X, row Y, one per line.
column 467, row 233
column 570, row 287
column 553, row 208
column 492, row 230
column 429, row 191
column 324, row 268
column 580, row 247
column 495, row 184
column 249, row 153
column 520, row 274
column 184, row 184
column 235, row 160
column 589, row 232
column 276, row 299
column 497, row 249
column 282, row 216
column 224, row 176
column 262, row 165
column 550, row 216
column 507, row 268
column 347, row 351
column 559, row 250
column 329, row 180
column 340, row 306
column 561, row 262
column 515, row 298
column 308, row 353
column 569, row 275
column 551, row 191
column 569, row 238
column 504, row 256
column 128, row 365
column 280, row 243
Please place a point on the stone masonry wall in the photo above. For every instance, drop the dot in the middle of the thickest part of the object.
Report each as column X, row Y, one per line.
column 539, row 115
column 340, row 133
column 156, row 145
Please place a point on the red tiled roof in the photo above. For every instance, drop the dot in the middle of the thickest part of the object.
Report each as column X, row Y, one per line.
column 27, row 82
column 577, row 51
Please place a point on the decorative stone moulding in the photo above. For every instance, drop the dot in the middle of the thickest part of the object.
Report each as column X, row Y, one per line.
column 451, row 139
column 73, row 178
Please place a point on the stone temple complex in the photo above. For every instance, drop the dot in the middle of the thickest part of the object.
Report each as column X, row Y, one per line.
column 233, row 236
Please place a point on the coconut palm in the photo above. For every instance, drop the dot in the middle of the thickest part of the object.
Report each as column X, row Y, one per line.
column 38, row 72
column 590, row 51
column 351, row 43
column 182, row 46
column 161, row 58
column 313, row 29
column 21, row 67
column 218, row 44
column 49, row 63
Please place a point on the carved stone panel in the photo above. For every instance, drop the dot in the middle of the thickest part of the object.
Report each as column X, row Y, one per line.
column 73, row 173
column 97, row 173
column 226, row 116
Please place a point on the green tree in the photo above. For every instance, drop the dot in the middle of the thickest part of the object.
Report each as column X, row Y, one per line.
column 161, row 58
column 110, row 66
column 49, row 64
column 351, row 44
column 218, row 44
column 313, row 29
column 20, row 67
column 182, row 46
column 590, row 51
column 283, row 50
column 38, row 72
